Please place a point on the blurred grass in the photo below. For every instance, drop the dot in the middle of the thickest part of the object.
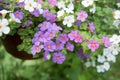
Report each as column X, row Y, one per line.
column 15, row 69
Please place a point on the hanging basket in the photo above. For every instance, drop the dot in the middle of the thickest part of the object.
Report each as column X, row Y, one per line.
column 11, row 42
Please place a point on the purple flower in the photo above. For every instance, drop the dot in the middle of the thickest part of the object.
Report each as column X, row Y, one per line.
column 91, row 26
column 29, row 22
column 36, row 49
column 49, row 46
column 20, row 4
column 50, row 34
column 93, row 45
column 36, row 13
column 78, row 23
column 39, row 1
column 106, row 41
column 52, row 18
column 47, row 14
column 44, row 26
column 82, row 15
column 18, row 14
column 46, row 54
column 54, row 27
column 69, row 46
column 82, row 54
column 78, row 38
column 1, row 0
column 59, row 45
column 72, row 34
column 52, row 2
column 63, row 38
column 58, row 58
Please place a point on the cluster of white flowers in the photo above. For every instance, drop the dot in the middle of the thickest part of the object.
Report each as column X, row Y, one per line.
column 109, row 55
column 116, row 15
column 68, row 20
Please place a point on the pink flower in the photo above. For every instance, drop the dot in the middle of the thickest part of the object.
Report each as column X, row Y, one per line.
column 52, row 2
column 93, row 45
column 91, row 26
column 106, row 41
column 39, row 1
column 82, row 15
column 72, row 34
column 78, row 38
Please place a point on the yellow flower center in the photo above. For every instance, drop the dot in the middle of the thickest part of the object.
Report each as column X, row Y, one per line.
column 49, row 47
column 0, row 26
column 30, row 5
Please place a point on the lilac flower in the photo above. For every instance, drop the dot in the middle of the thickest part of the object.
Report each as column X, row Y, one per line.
column 72, row 34
column 63, row 38
column 44, row 26
column 46, row 55
column 53, row 18
column 36, row 13
column 39, row 1
column 58, row 58
column 18, row 14
column 36, row 49
column 82, row 54
column 20, row 4
column 78, row 38
column 50, row 34
column 93, row 45
column 106, row 41
column 1, row 0
column 49, row 46
column 59, row 45
column 78, row 23
column 82, row 15
column 29, row 22
column 69, row 46
column 91, row 26
column 54, row 27
column 53, row 2
column 47, row 14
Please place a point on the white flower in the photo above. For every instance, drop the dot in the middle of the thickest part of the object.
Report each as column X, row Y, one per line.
column 115, row 39
column 116, row 23
column 111, row 57
column 61, row 4
column 69, row 8
column 30, row 5
column 88, row 64
column 60, row 13
column 92, row 10
column 106, row 51
column 116, row 14
column 115, row 49
column 100, row 68
column 4, row 12
column 87, row 3
column 12, row 17
column 118, row 4
column 93, row 63
column 39, row 7
column 68, row 20
column 101, row 59
column 106, row 66
column 4, row 26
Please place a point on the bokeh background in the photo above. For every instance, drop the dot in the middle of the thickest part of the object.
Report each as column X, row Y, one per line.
column 73, row 68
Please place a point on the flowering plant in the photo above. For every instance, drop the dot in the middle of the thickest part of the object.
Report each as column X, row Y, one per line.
column 59, row 28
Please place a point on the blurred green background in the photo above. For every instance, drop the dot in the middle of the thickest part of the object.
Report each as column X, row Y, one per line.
column 72, row 69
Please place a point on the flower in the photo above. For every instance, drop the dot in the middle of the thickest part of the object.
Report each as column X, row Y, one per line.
column 12, row 16
column 4, row 12
column 101, row 59
column 60, row 13
column 36, row 13
column 115, row 49
column 70, row 8
column 4, row 26
column 61, row 4
column 63, row 38
column 115, row 39
column 36, row 48
column 53, row 2
column 116, row 14
column 30, row 5
column 82, row 15
column 59, row 45
column 69, row 46
column 49, row 46
column 18, row 15
column 93, row 45
column 100, row 68
column 92, row 10
column 78, row 38
column 58, row 58
column 44, row 25
column 72, row 35
column 68, row 20
column 87, row 3
column 106, row 66
column 78, row 23
column 46, row 55
column 91, row 26
column 106, row 41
